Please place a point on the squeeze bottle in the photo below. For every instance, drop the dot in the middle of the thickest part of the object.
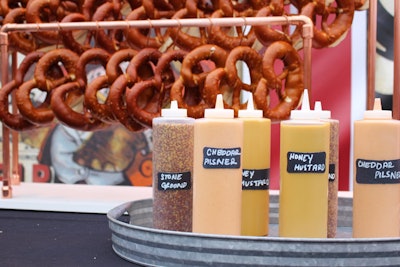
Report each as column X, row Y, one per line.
column 255, row 171
column 173, row 135
column 217, row 173
column 304, row 158
column 376, row 183
column 333, row 181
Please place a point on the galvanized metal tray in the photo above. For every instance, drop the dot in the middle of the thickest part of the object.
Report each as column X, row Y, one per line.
column 134, row 239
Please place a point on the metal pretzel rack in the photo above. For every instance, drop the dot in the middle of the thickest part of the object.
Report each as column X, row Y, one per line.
column 10, row 179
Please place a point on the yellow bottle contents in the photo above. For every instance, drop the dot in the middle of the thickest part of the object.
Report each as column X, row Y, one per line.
column 217, row 172
column 303, row 203
column 376, row 199
column 256, row 165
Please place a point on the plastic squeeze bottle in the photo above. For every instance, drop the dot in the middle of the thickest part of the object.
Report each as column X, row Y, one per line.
column 376, row 191
column 304, row 158
column 333, row 180
column 173, row 135
column 255, row 170
column 217, row 172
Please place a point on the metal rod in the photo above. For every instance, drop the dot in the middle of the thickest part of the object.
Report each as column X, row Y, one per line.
column 371, row 53
column 396, row 70
column 6, row 187
column 15, row 179
column 161, row 23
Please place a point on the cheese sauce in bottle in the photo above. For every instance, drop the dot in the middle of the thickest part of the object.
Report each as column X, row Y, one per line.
column 255, row 171
column 217, row 172
column 173, row 136
column 304, row 158
column 333, row 184
column 376, row 183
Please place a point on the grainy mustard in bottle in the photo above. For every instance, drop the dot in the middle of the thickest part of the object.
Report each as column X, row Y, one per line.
column 173, row 135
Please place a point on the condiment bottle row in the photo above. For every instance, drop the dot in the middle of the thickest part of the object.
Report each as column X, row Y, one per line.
column 211, row 175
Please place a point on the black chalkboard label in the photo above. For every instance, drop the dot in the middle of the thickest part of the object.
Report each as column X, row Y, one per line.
column 255, row 179
column 221, row 158
column 332, row 173
column 377, row 171
column 174, row 181
column 300, row 162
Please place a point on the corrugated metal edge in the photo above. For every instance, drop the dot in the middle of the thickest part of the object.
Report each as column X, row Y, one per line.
column 153, row 247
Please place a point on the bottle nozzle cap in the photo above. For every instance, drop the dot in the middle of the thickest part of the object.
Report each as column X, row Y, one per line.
column 250, row 112
column 377, row 112
column 323, row 114
column 219, row 111
column 305, row 112
column 174, row 111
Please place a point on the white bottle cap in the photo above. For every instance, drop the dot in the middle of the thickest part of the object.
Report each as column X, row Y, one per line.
column 174, row 111
column 322, row 114
column 305, row 113
column 250, row 112
column 377, row 112
column 219, row 111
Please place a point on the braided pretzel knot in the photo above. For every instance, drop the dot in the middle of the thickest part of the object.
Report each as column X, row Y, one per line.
column 289, row 95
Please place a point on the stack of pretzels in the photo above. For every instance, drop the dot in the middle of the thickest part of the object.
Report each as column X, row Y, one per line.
column 190, row 65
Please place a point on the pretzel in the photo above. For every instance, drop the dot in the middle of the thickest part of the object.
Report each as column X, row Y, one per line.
column 328, row 32
column 164, row 75
column 80, row 120
column 22, row 42
column 42, row 11
column 91, row 56
column 209, row 52
column 184, row 40
column 26, row 64
column 68, row 39
column 253, row 61
column 14, row 121
column 111, row 40
column 101, row 110
column 39, row 114
column 216, row 83
column 188, row 97
column 265, row 33
column 141, row 66
column 113, row 68
column 292, row 74
column 48, row 74
column 140, row 38
column 144, row 101
column 116, row 101
column 221, row 36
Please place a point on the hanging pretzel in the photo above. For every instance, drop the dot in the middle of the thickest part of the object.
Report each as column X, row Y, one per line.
column 212, row 53
column 48, row 73
column 224, row 37
column 113, row 67
column 79, row 119
column 186, row 40
column 267, row 34
column 335, row 21
column 99, row 108
column 118, row 106
column 68, row 39
column 92, row 56
column 144, row 101
column 141, row 66
column 14, row 121
column 26, row 64
column 42, row 11
column 289, row 96
column 36, row 113
column 22, row 42
column 111, row 40
column 253, row 61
